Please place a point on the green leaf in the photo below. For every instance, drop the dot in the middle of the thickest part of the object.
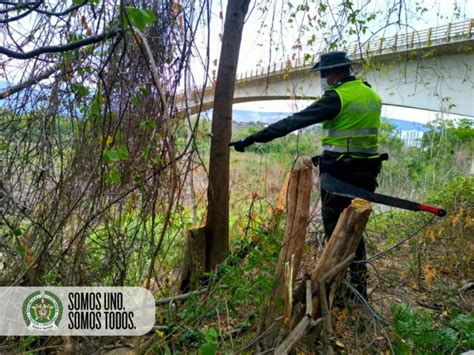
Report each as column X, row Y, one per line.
column 17, row 232
column 119, row 135
column 67, row 55
column 135, row 101
column 140, row 18
column 80, row 90
column 74, row 37
column 50, row 276
column 110, row 155
column 150, row 123
column 208, row 349
column 113, row 177
column 115, row 154
column 122, row 152
column 146, row 153
column 211, row 336
column 148, row 16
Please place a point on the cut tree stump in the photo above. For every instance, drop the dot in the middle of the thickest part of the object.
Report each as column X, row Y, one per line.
column 341, row 245
column 194, row 261
column 329, row 271
column 289, row 261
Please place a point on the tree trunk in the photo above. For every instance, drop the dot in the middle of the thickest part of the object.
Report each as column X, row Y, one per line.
column 217, row 224
column 194, row 261
column 289, row 261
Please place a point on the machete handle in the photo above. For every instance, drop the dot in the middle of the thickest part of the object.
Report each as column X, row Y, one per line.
column 432, row 209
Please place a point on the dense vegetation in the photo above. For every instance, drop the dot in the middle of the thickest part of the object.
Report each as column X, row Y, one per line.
column 421, row 280
column 101, row 177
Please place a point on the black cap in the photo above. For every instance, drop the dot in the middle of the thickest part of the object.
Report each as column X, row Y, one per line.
column 332, row 60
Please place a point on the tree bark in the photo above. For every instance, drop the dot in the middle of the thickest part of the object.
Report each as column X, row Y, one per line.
column 217, row 223
column 299, row 198
column 194, row 261
column 343, row 243
column 277, row 211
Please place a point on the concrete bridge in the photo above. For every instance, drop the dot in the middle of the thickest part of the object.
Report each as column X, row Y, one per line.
column 431, row 69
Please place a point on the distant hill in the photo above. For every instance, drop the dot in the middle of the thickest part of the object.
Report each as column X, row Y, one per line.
column 402, row 125
column 270, row 117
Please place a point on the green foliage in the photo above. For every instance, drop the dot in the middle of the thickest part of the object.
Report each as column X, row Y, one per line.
column 443, row 154
column 456, row 193
column 140, row 18
column 94, row 111
column 417, row 331
column 305, row 141
column 113, row 177
column 115, row 154
column 445, row 135
column 210, row 346
column 80, row 90
column 27, row 342
column 248, row 276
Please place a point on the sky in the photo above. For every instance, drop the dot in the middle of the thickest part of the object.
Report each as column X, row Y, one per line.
column 289, row 39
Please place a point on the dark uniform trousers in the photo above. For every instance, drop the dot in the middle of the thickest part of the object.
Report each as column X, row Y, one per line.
column 358, row 172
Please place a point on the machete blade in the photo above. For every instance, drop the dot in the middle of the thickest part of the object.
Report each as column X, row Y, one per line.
column 341, row 188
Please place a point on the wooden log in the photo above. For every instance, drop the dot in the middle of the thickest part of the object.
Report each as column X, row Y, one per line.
column 299, row 197
column 194, row 262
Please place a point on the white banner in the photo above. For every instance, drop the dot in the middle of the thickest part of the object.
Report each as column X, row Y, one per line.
column 115, row 311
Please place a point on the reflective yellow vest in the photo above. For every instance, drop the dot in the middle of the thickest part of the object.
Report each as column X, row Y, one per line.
column 355, row 128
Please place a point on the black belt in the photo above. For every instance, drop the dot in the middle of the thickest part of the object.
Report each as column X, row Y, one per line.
column 346, row 158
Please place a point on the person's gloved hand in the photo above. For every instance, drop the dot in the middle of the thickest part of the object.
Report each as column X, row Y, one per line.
column 240, row 145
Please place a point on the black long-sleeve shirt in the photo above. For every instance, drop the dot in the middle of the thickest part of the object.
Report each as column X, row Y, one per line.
column 324, row 109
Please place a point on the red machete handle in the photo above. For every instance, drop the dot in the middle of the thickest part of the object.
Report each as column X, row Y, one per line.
column 432, row 209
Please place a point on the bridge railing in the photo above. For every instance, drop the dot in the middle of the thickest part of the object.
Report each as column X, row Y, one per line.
column 378, row 45
column 415, row 39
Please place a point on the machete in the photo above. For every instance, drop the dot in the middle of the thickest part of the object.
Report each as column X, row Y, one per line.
column 341, row 188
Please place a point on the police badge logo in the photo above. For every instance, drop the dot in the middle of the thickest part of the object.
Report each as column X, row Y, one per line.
column 42, row 310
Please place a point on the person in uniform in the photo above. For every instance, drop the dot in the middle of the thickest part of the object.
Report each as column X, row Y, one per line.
column 349, row 111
